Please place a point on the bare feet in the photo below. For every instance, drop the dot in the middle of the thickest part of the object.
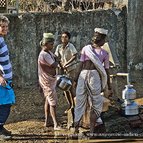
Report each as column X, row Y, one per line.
column 57, row 128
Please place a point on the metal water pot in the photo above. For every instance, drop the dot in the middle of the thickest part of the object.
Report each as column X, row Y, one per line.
column 129, row 92
column 132, row 109
column 64, row 82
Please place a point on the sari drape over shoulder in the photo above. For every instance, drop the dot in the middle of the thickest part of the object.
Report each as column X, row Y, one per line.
column 92, row 56
column 89, row 87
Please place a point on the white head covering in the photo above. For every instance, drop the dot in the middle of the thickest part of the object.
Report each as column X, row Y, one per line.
column 101, row 31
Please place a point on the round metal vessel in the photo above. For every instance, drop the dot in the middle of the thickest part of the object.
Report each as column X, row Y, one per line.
column 132, row 109
column 64, row 82
column 129, row 92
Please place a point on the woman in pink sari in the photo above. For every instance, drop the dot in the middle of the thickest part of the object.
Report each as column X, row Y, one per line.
column 47, row 65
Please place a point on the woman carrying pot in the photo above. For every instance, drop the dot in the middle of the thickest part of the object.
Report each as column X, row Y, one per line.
column 47, row 65
column 91, row 79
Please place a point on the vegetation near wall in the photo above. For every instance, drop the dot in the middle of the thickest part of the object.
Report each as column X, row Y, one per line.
column 65, row 5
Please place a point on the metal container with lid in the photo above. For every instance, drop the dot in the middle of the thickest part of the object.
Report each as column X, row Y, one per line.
column 129, row 92
column 64, row 82
column 128, row 102
column 132, row 109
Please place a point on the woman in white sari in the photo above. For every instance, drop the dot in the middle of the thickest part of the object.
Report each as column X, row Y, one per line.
column 91, row 81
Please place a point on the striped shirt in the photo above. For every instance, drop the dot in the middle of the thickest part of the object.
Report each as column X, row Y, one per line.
column 5, row 64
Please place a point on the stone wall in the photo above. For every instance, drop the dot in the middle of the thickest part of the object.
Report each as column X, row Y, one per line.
column 26, row 31
column 135, row 44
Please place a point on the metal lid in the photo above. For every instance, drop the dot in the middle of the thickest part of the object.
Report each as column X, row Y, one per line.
column 129, row 85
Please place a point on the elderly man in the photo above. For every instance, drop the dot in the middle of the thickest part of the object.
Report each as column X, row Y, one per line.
column 92, row 79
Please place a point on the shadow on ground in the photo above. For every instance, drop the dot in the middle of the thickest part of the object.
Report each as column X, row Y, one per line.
column 26, row 122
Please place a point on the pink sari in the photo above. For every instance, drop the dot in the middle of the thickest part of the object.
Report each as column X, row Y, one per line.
column 47, row 81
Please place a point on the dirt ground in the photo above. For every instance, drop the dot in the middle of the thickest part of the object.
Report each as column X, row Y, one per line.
column 26, row 122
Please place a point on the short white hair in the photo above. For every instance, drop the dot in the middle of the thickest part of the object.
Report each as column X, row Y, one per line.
column 4, row 19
